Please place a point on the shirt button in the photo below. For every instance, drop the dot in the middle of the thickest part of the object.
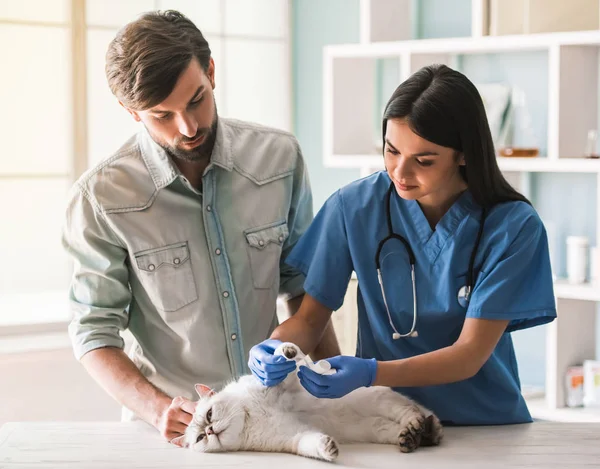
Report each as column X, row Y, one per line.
column 226, row 294
column 281, row 239
column 218, row 252
column 176, row 261
column 233, row 336
column 261, row 243
column 208, row 208
column 151, row 267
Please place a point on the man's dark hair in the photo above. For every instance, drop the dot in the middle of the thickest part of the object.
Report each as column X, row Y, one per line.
column 147, row 56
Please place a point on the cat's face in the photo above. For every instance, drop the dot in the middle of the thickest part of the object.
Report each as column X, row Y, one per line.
column 218, row 423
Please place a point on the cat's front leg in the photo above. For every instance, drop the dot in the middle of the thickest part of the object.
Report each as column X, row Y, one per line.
column 316, row 445
column 289, row 436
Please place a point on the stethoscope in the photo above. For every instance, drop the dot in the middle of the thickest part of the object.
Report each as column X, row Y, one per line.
column 464, row 293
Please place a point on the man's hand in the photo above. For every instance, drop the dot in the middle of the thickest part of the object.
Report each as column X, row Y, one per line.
column 174, row 420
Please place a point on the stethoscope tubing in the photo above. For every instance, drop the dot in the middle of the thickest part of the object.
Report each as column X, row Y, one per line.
column 464, row 293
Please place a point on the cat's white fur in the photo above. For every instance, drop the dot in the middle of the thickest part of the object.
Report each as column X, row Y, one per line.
column 247, row 416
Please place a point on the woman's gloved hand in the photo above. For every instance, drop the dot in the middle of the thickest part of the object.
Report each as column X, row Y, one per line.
column 351, row 373
column 269, row 369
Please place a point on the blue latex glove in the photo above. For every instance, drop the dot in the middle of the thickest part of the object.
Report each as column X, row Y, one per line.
column 269, row 369
column 352, row 373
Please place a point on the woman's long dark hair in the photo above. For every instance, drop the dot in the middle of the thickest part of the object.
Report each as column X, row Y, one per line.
column 443, row 106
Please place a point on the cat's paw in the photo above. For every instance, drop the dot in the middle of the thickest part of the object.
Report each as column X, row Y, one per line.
column 290, row 351
column 328, row 448
column 433, row 431
column 410, row 437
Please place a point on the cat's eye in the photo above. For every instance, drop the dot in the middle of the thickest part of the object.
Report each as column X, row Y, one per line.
column 200, row 437
column 209, row 415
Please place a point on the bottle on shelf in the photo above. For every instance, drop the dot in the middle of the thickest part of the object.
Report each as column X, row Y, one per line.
column 524, row 141
column 591, row 148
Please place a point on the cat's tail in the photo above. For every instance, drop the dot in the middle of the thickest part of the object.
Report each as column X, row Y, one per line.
column 433, row 431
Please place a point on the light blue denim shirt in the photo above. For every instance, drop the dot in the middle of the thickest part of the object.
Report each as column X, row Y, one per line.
column 194, row 275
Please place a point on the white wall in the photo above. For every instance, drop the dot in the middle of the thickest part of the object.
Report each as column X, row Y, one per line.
column 41, row 114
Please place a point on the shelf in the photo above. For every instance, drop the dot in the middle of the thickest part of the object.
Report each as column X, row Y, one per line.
column 586, row 291
column 534, row 165
column 563, row 98
column 468, row 45
column 540, row 410
column 543, row 165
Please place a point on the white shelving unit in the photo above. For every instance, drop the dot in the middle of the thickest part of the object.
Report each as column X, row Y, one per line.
column 350, row 139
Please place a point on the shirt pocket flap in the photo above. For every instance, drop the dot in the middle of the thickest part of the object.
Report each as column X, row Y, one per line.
column 261, row 237
column 174, row 255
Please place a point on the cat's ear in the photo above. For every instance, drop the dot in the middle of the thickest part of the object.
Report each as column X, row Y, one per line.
column 179, row 441
column 204, row 391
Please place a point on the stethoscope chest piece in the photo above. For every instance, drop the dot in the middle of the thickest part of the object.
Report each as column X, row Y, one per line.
column 464, row 294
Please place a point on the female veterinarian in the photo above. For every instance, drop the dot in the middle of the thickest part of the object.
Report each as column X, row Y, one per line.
column 450, row 259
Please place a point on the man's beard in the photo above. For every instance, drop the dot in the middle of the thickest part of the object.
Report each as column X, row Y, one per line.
column 198, row 154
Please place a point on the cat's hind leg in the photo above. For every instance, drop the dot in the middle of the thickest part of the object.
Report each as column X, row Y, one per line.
column 405, row 431
column 433, row 432
column 382, row 430
column 411, row 434
column 412, row 416
column 405, row 413
column 420, row 428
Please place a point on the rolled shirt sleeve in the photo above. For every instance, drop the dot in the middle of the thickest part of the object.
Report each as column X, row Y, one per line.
column 299, row 219
column 99, row 294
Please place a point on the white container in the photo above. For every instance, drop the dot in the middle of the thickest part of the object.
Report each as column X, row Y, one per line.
column 577, row 258
column 574, row 386
column 591, row 383
column 595, row 265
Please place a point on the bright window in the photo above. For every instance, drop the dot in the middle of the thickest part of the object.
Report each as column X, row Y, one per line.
column 42, row 117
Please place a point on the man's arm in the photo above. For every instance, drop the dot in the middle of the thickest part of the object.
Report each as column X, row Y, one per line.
column 99, row 298
column 112, row 369
column 328, row 346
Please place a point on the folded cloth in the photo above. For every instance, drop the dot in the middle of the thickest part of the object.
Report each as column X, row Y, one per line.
column 292, row 352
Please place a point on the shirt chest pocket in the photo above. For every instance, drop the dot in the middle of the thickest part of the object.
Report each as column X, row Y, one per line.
column 265, row 244
column 167, row 276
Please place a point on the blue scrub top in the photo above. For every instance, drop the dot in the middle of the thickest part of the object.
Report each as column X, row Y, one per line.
column 513, row 282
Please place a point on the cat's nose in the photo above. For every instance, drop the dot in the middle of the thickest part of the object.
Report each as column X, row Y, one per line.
column 209, row 430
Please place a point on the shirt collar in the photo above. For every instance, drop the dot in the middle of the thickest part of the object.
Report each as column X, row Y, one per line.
column 222, row 154
column 161, row 167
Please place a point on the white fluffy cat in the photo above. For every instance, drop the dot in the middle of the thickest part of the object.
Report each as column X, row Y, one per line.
column 247, row 416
